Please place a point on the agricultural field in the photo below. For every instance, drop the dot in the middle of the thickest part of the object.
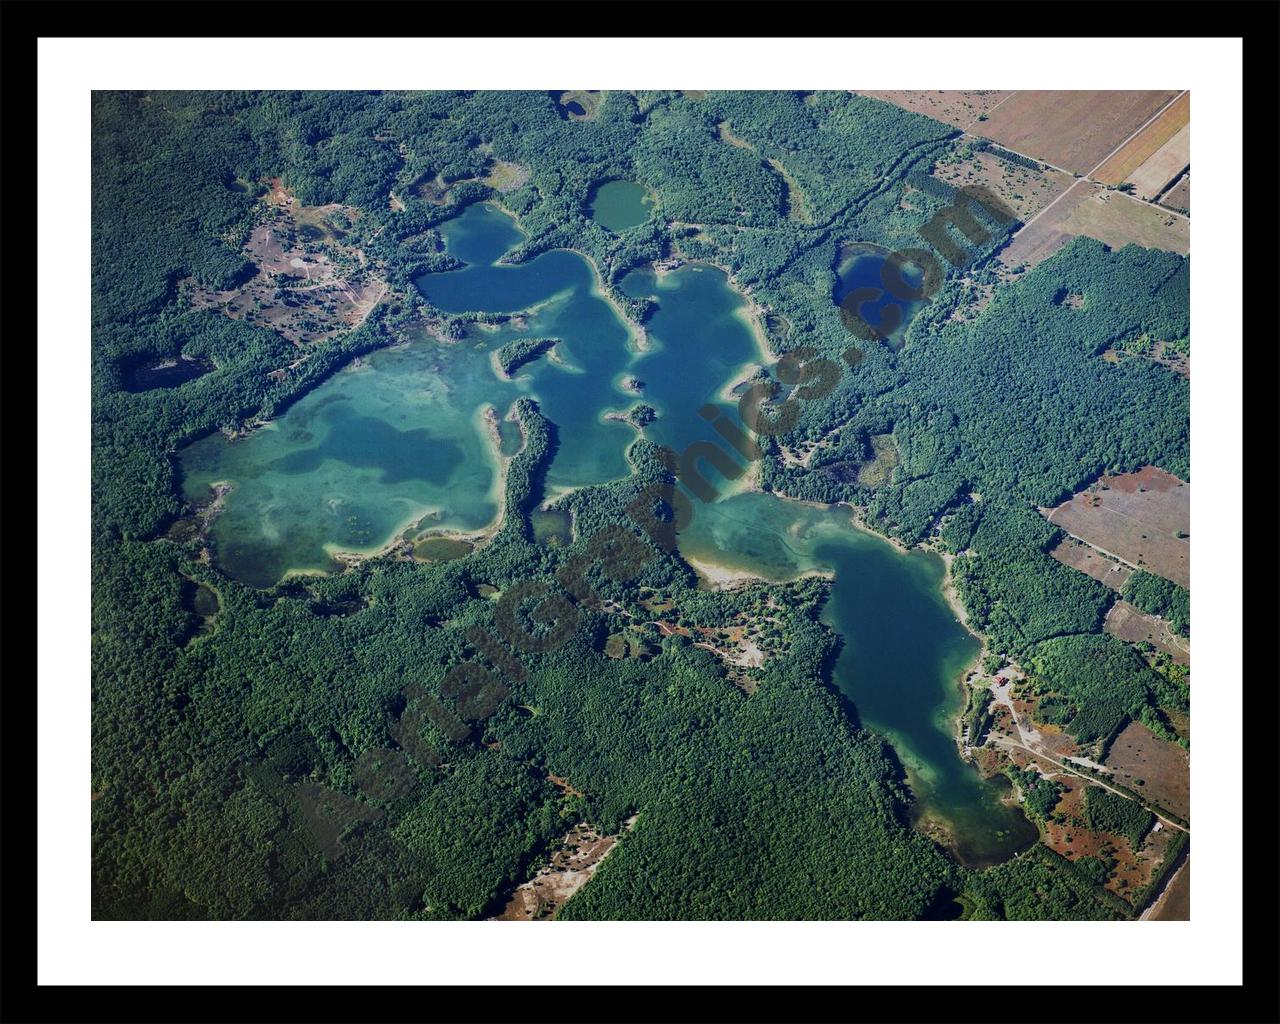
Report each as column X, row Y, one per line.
column 1110, row 216
column 958, row 107
column 1134, row 154
column 1164, row 166
column 1126, row 622
column 1074, row 130
column 1044, row 236
column 1142, row 518
column 1179, row 197
column 1025, row 190
column 1164, row 768
column 1118, row 220
column 1089, row 561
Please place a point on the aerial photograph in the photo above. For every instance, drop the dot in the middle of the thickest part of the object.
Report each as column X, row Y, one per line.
column 581, row 505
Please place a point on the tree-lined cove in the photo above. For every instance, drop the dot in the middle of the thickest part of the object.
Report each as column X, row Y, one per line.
column 402, row 439
column 902, row 656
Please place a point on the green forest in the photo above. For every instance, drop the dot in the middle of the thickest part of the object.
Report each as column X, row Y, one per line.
column 377, row 743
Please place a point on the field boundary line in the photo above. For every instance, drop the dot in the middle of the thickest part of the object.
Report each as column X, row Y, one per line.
column 987, row 113
column 1141, row 128
column 1089, row 177
column 1109, row 554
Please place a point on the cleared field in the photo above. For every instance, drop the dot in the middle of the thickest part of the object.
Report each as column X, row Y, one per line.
column 1134, row 871
column 1074, row 129
column 879, row 471
column 1068, row 834
column 310, row 285
column 959, row 107
column 797, row 202
column 1179, row 197
column 1163, row 166
column 1160, row 352
column 1080, row 556
column 1117, row 220
column 1125, row 622
column 1039, row 241
column 578, row 104
column 1026, row 191
column 506, row 176
column 1134, row 153
column 1163, row 767
column 1136, row 517
column 1051, row 739
column 570, row 868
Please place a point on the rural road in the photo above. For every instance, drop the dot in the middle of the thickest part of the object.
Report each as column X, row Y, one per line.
column 1089, row 177
column 1031, row 746
column 1109, row 554
column 1000, row 741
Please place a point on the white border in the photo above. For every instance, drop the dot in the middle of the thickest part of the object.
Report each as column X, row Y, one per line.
column 72, row 949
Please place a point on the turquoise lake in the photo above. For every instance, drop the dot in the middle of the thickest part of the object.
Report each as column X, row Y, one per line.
column 903, row 656
column 399, row 444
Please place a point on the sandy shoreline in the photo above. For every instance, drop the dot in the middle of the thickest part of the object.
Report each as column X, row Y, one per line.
column 745, row 374
column 349, row 558
column 952, row 597
column 752, row 313
column 550, row 353
column 722, row 577
column 948, row 589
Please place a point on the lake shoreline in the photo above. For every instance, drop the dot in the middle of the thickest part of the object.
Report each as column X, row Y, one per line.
column 639, row 337
column 350, row 557
column 929, row 820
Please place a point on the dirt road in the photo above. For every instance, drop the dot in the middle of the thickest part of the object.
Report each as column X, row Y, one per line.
column 1089, row 177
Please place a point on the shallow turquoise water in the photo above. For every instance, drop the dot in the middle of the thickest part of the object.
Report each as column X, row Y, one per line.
column 903, row 651
column 401, row 437
column 698, row 340
column 595, row 351
column 353, row 462
column 401, row 441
